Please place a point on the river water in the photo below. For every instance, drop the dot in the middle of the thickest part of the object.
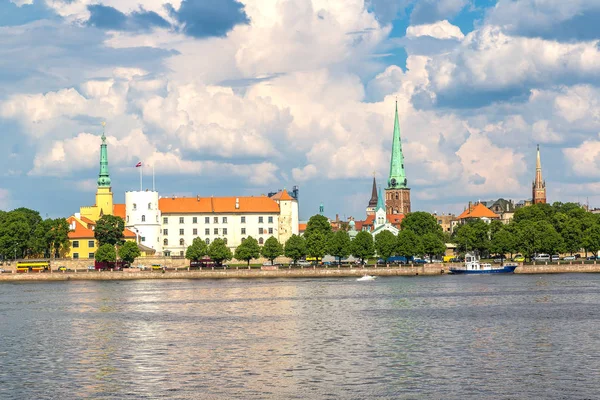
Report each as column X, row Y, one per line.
column 445, row 337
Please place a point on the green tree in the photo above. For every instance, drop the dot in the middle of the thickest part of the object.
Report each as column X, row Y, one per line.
column 15, row 234
column 109, row 230
column 421, row 223
column 538, row 237
column 386, row 244
column 591, row 239
column 433, row 245
column 219, row 252
column 472, row 236
column 339, row 245
column 572, row 234
column 408, row 244
column 318, row 223
column 247, row 250
column 271, row 249
column 106, row 253
column 196, row 250
column 295, row 248
column 129, row 251
column 503, row 242
column 316, row 245
column 362, row 246
column 534, row 213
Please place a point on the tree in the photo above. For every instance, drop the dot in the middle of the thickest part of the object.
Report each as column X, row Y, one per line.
column 472, row 236
column 591, row 239
column 219, row 252
column 534, row 213
column 421, row 223
column 196, row 250
column 339, row 245
column 271, row 249
column 129, row 251
column 362, row 246
column 538, row 237
column 433, row 245
column 106, row 253
column 572, row 234
column 408, row 244
column 295, row 248
column 316, row 245
column 109, row 230
column 386, row 244
column 318, row 223
column 503, row 242
column 247, row 250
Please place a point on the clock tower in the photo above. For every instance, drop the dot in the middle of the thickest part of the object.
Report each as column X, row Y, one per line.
column 397, row 193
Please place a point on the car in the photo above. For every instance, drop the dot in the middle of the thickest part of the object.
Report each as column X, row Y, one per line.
column 498, row 260
column 592, row 258
column 569, row 258
column 2, row 270
column 518, row 258
column 91, row 267
column 455, row 260
column 380, row 261
column 418, row 261
column 555, row 257
column 62, row 268
column 304, row 263
column 541, row 257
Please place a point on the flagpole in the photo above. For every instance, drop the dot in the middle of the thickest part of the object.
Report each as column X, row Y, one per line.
column 141, row 171
column 153, row 177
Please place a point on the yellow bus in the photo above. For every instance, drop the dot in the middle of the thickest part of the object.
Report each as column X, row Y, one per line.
column 33, row 265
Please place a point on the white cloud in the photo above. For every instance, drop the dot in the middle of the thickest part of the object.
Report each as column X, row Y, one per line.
column 4, row 199
column 77, row 10
column 21, row 2
column 439, row 30
column 584, row 160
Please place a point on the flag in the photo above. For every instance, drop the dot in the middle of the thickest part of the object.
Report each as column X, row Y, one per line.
column 138, row 164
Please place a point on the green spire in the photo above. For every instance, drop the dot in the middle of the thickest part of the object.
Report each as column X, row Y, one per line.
column 103, row 177
column 397, row 177
column 380, row 202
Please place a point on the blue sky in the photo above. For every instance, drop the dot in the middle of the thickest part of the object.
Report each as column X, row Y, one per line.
column 244, row 97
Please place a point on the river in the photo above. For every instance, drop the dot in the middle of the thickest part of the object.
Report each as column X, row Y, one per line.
column 450, row 337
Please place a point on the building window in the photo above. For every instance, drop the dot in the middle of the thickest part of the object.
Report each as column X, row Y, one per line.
column 207, row 220
column 143, row 218
column 134, row 206
column 157, row 218
column 165, row 220
column 224, row 231
column 166, row 242
column 128, row 218
column 75, row 244
column 195, row 232
column 181, row 253
column 225, row 240
column 181, row 242
column 260, row 241
column 91, row 255
column 216, row 220
column 181, row 220
column 260, row 220
column 270, row 220
column 91, row 244
column 216, row 231
column 149, row 206
column 224, row 220
column 270, row 231
column 194, row 220
column 243, row 220
column 207, row 231
column 260, row 231
column 75, row 256
column 243, row 231
column 207, row 241
column 165, row 231
column 143, row 238
column 181, row 231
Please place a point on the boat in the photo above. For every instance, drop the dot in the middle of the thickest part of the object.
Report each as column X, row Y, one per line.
column 366, row 278
column 472, row 265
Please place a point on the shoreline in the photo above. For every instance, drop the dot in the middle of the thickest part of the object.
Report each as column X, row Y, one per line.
column 427, row 270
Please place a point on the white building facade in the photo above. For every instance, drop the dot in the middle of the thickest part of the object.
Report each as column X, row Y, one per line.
column 143, row 217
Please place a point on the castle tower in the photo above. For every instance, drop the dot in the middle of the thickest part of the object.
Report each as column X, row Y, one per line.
column 397, row 194
column 373, row 201
column 144, row 217
column 539, row 185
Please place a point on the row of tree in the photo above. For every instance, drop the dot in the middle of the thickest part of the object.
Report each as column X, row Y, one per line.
column 24, row 234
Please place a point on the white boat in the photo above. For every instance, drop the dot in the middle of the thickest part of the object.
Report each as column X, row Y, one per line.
column 366, row 278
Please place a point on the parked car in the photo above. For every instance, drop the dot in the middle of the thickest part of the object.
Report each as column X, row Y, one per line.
column 91, row 267
column 569, row 258
column 380, row 261
column 497, row 260
column 518, row 258
column 418, row 261
column 555, row 257
column 62, row 268
column 591, row 258
column 542, row 257
column 304, row 263
column 2, row 270
column 455, row 260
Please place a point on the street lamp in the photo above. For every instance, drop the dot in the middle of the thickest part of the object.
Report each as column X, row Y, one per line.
column 16, row 251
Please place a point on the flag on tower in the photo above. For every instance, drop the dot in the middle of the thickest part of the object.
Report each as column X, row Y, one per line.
column 138, row 164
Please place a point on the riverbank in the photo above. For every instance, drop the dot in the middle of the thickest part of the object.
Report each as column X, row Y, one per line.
column 425, row 270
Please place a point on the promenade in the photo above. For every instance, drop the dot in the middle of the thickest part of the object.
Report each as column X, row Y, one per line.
column 282, row 272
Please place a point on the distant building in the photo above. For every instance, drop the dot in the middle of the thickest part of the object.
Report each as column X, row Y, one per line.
column 397, row 193
column 477, row 211
column 445, row 221
column 539, row 185
column 381, row 222
column 373, row 202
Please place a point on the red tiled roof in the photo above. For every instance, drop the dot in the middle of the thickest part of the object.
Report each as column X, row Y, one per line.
column 128, row 234
column 80, row 232
column 119, row 210
column 477, row 211
column 283, row 195
column 87, row 221
column 301, row 227
column 180, row 205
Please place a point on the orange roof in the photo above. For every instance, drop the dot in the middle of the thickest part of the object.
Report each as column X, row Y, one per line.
column 301, row 227
column 395, row 219
column 80, row 232
column 119, row 210
column 182, row 205
column 128, row 234
column 283, row 195
column 477, row 211
column 87, row 221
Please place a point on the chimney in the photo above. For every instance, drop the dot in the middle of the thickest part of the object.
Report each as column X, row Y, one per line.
column 198, row 197
column 237, row 203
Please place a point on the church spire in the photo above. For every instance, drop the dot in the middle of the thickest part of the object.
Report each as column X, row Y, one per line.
column 397, row 178
column 103, row 176
column 373, row 201
column 380, row 202
column 539, row 185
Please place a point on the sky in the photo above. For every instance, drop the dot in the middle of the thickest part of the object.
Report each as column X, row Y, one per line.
column 236, row 98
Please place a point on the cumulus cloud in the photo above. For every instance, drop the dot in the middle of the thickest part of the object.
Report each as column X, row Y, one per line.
column 584, row 160
column 439, row 30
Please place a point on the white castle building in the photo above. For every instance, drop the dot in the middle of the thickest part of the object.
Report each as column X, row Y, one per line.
column 170, row 224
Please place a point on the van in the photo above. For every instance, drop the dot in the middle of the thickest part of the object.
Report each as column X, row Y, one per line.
column 449, row 258
column 542, row 257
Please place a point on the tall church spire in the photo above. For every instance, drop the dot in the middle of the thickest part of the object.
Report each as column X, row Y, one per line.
column 539, row 185
column 380, row 202
column 373, row 201
column 397, row 178
column 103, row 176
